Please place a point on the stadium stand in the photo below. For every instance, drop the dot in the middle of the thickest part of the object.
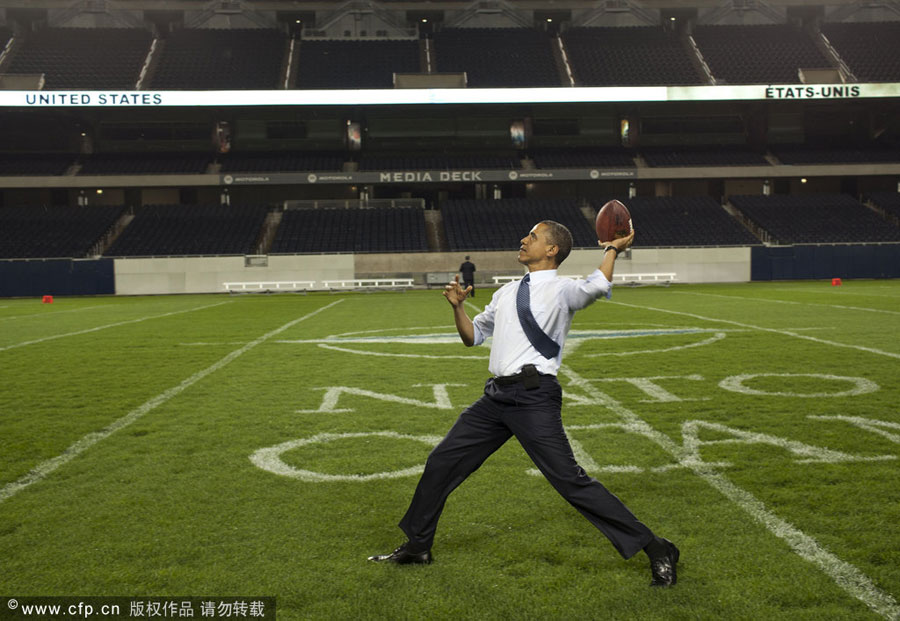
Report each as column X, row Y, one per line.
column 145, row 164
column 355, row 64
column 500, row 224
column 27, row 164
column 220, row 59
column 51, row 232
column 381, row 229
column 671, row 156
column 430, row 161
column 799, row 154
column 285, row 161
column 684, row 221
column 5, row 35
column 583, row 158
column 764, row 54
column 818, row 218
column 629, row 56
column 888, row 201
column 175, row 230
column 497, row 57
column 84, row 58
column 871, row 50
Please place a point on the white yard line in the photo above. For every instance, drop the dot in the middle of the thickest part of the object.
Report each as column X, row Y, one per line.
column 870, row 350
column 46, row 467
column 109, row 325
column 845, row 575
column 740, row 297
column 52, row 313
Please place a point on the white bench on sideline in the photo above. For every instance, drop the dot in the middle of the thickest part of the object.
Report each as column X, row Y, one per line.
column 657, row 278
column 369, row 283
column 641, row 279
column 271, row 285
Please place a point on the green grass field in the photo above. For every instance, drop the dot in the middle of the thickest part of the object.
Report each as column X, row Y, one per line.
column 266, row 445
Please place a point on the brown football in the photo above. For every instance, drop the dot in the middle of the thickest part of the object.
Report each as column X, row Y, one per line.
column 613, row 221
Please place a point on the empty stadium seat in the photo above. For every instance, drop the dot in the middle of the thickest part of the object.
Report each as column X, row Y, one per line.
column 220, row 60
column 176, row 230
column 683, row 221
column 53, row 232
column 497, row 57
column 84, row 58
column 871, row 50
column 816, row 218
column 500, row 224
column 763, row 54
column 630, row 56
column 384, row 229
column 355, row 64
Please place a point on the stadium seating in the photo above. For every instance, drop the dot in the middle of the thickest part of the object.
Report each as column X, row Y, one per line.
column 34, row 164
column 818, row 218
column 635, row 56
column 431, row 161
column 84, row 58
column 5, row 35
column 497, row 57
column 683, row 221
column 707, row 156
column 583, row 158
column 355, row 64
column 220, row 60
column 500, row 224
column 351, row 230
column 765, row 54
column 145, row 164
column 799, row 154
column 280, row 162
column 871, row 50
column 175, row 230
column 888, row 201
column 53, row 232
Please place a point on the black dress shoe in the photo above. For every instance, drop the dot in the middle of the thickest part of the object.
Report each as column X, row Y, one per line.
column 664, row 567
column 401, row 556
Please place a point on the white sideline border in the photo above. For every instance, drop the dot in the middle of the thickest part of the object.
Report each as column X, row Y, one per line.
column 46, row 467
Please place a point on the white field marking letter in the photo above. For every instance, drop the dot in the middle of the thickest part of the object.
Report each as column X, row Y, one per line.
column 872, row 425
column 690, row 432
column 650, row 387
column 333, row 394
column 861, row 385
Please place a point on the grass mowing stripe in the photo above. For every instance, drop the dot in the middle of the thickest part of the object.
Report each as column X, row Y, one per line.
column 845, row 575
column 741, row 297
column 871, row 350
column 45, row 468
column 109, row 325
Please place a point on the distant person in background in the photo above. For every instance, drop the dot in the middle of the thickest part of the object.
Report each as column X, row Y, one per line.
column 467, row 269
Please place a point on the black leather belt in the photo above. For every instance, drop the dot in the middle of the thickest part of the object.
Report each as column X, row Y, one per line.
column 528, row 377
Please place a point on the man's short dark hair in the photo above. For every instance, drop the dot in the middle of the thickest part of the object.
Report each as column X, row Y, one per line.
column 467, row 257
column 561, row 237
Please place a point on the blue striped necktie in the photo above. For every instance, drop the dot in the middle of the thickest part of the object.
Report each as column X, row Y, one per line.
column 547, row 347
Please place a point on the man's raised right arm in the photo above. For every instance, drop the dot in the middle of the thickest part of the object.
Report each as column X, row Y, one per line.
column 456, row 295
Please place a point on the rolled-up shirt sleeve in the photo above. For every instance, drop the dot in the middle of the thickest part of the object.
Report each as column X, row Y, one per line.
column 484, row 323
column 584, row 292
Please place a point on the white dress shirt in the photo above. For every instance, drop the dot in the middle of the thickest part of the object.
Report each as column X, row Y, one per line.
column 554, row 301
